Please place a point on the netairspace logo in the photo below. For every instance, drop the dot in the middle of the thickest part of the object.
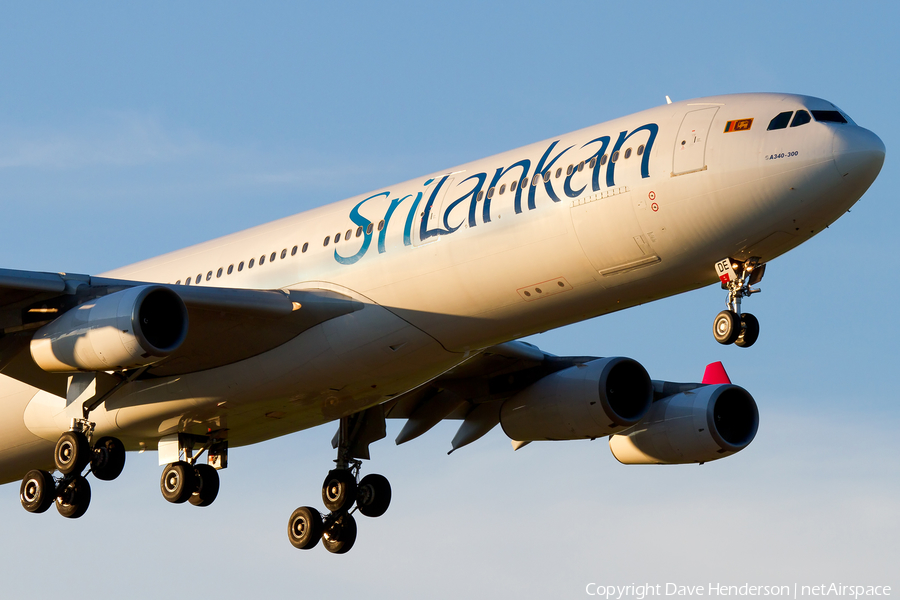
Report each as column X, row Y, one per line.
column 649, row 590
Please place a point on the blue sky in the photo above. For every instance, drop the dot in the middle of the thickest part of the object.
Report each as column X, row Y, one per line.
column 126, row 132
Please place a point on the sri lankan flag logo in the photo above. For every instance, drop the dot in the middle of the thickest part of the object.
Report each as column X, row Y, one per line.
column 739, row 125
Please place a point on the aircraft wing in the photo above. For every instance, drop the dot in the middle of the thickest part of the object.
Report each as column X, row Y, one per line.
column 475, row 390
column 224, row 325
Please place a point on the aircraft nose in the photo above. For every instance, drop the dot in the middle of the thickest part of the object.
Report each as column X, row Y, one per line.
column 858, row 154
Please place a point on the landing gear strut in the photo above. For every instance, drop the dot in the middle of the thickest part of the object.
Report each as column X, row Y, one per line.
column 342, row 489
column 730, row 326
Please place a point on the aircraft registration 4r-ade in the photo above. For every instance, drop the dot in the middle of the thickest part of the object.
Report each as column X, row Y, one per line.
column 406, row 303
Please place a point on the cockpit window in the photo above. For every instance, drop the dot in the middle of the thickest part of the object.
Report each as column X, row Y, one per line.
column 801, row 118
column 828, row 116
column 780, row 121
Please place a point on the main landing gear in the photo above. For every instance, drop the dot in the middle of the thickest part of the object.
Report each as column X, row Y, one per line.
column 730, row 326
column 185, row 480
column 342, row 489
column 73, row 453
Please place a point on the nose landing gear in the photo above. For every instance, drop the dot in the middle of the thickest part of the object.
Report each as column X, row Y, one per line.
column 730, row 326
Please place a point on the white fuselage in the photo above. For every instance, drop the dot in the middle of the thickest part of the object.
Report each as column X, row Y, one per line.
column 445, row 267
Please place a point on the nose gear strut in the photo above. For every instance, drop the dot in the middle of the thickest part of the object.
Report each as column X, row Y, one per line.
column 731, row 326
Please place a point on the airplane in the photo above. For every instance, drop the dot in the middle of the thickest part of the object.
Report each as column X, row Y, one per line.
column 408, row 303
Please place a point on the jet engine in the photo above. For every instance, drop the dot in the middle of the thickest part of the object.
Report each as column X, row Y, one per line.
column 132, row 328
column 589, row 400
column 700, row 425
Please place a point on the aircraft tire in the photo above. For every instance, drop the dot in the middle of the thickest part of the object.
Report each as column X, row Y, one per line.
column 340, row 536
column 749, row 331
column 207, row 485
column 727, row 327
column 177, row 482
column 339, row 490
column 373, row 496
column 305, row 528
column 73, row 453
column 73, row 497
column 38, row 491
column 108, row 459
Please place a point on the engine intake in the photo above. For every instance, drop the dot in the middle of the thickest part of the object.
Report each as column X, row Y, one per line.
column 132, row 328
column 704, row 424
column 589, row 400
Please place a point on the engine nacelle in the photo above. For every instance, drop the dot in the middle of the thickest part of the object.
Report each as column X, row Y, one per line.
column 704, row 424
column 132, row 328
column 585, row 401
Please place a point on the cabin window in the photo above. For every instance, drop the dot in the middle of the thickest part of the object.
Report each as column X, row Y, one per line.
column 251, row 263
column 283, row 253
column 628, row 153
column 502, row 189
column 348, row 234
column 559, row 173
column 380, row 225
column 230, row 269
column 198, row 278
column 535, row 179
column 209, row 276
column 294, row 251
column 801, row 118
column 581, row 166
column 780, row 121
column 359, row 231
column 306, row 246
column 240, row 266
column 828, row 116
column 187, row 281
column 219, row 273
column 178, row 282
column 490, row 193
column 570, row 169
column 272, row 256
column 546, row 176
column 262, row 260
column 337, row 237
column 327, row 239
column 479, row 196
column 369, row 229
column 640, row 150
column 615, row 156
column 602, row 160
column 593, row 163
